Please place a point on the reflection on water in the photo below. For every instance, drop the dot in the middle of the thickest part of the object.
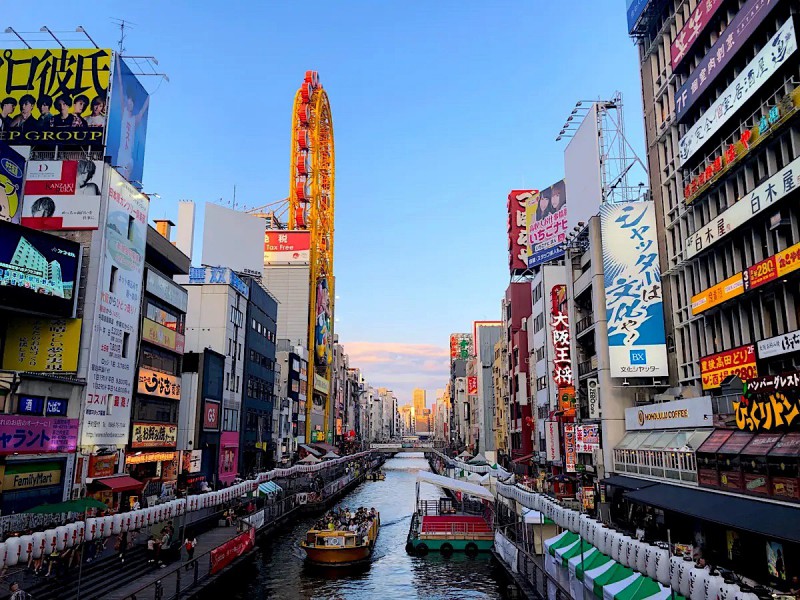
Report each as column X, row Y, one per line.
column 278, row 570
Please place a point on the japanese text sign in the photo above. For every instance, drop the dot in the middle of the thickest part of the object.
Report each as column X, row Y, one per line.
column 60, row 96
column 472, row 385
column 460, row 346
column 221, row 275
column 570, row 451
column 769, row 403
column 559, row 329
column 691, row 30
column 165, row 337
column 154, row 383
column 286, row 247
column 780, row 344
column 730, row 288
column 32, row 435
column 760, row 199
column 739, row 361
column 634, row 10
column 517, row 230
column 632, row 278
column 12, row 172
column 546, row 218
column 552, row 438
column 154, row 435
column 34, row 344
column 587, row 438
column 755, row 74
column 724, row 49
column 62, row 194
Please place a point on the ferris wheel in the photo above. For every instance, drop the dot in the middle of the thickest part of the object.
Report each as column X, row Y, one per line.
column 311, row 203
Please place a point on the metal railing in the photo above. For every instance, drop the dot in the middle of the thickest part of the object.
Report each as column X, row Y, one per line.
column 584, row 324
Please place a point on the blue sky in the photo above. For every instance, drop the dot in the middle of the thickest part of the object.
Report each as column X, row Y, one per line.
column 440, row 108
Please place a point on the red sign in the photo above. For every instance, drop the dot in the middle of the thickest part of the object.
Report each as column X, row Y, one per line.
column 692, row 29
column 102, row 466
column 517, row 230
column 225, row 554
column 472, row 385
column 562, row 363
column 760, row 273
column 211, row 414
column 739, row 361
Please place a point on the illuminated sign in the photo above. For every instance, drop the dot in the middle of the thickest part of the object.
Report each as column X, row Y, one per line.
column 717, row 294
column 147, row 457
column 570, row 451
column 765, row 64
column 587, row 438
column 559, row 328
column 769, row 403
column 154, row 435
column 517, row 229
column 211, row 412
column 155, row 383
column 739, row 361
column 688, row 413
column 42, row 345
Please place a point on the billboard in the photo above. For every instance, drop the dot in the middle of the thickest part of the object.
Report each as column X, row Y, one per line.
column 570, row 449
column 688, row 413
column 517, row 230
column 546, row 218
column 780, row 344
column 283, row 247
column 772, row 268
column 632, row 278
column 770, row 403
column 211, row 410
column 323, row 330
column 38, row 271
column 157, row 334
column 634, row 10
column 739, row 361
column 559, row 329
column 62, row 194
column 460, row 346
column 127, row 123
column 691, row 30
column 32, row 435
column 222, row 226
column 722, row 292
column 753, row 203
column 738, row 31
column 583, row 170
column 49, row 345
column 113, row 352
column 58, row 96
column 154, row 435
column 228, row 455
column 155, row 383
column 12, row 170
column 757, row 72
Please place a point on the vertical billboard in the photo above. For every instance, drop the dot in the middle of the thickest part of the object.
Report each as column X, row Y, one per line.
column 127, row 123
column 62, row 194
column 570, row 448
column 113, row 352
column 38, row 271
column 583, row 170
column 54, row 96
column 12, row 170
column 691, row 30
column 222, row 226
column 738, row 31
column 283, row 247
column 517, row 230
column 546, row 218
column 323, row 331
column 632, row 277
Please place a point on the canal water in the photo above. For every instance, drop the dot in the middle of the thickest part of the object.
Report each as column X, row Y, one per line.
column 277, row 568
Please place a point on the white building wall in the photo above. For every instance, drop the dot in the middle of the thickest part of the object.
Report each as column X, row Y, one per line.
column 289, row 284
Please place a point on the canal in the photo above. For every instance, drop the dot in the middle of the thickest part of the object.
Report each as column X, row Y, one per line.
column 277, row 569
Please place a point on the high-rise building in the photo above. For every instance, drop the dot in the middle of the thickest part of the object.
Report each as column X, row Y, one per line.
column 419, row 399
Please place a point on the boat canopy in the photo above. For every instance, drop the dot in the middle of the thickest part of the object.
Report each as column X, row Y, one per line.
column 448, row 483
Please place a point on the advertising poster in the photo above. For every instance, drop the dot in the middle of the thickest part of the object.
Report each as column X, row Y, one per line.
column 738, row 31
column 228, row 455
column 59, row 96
column 546, row 217
column 518, row 230
column 776, row 564
column 632, row 277
column 287, row 247
column 739, row 361
column 765, row 64
column 127, row 123
column 32, row 435
column 12, row 170
column 49, row 345
column 323, row 333
column 191, row 461
column 37, row 271
column 110, row 383
column 62, row 195
column 587, row 438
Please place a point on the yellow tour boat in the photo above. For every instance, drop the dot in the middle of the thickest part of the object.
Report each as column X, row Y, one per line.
column 340, row 548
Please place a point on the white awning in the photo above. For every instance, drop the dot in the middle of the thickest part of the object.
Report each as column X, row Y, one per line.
column 448, row 483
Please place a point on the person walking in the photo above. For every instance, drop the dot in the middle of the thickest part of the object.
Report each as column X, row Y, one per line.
column 151, row 549
column 190, row 544
column 122, row 546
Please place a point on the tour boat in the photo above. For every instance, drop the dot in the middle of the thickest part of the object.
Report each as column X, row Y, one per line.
column 340, row 548
column 462, row 523
column 376, row 476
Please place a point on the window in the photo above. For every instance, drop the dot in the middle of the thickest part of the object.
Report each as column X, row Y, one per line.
column 165, row 316
column 131, row 221
column 160, row 360
column 126, row 338
column 155, row 409
column 227, row 380
column 112, row 282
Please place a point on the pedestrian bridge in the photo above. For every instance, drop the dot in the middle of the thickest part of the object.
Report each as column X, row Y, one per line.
column 391, row 448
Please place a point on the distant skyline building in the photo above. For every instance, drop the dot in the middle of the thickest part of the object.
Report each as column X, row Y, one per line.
column 419, row 399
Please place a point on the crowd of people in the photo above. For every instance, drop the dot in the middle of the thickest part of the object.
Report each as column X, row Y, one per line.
column 358, row 521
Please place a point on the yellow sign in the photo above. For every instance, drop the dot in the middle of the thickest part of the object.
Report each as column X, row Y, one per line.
column 146, row 457
column 730, row 288
column 154, row 383
column 40, row 344
column 34, row 479
column 159, row 335
column 154, row 435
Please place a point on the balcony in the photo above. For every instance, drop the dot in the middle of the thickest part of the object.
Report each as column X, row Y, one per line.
column 584, row 324
column 587, row 367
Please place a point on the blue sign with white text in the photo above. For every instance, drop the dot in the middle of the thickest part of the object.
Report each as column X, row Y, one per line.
column 635, row 8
